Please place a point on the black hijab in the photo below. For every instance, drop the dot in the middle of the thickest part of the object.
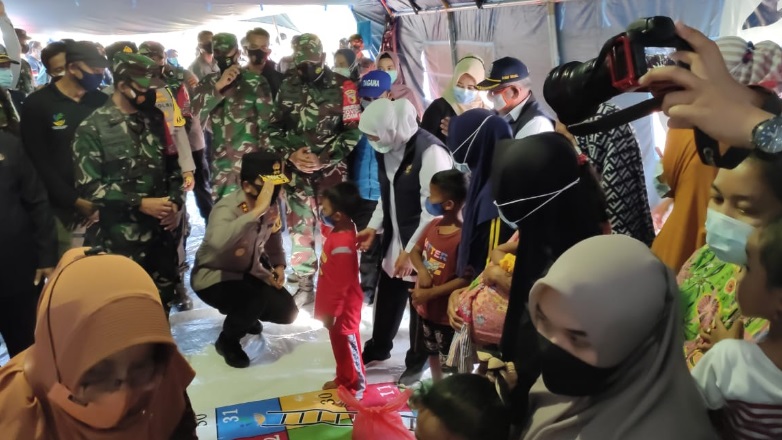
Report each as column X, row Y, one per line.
column 472, row 138
column 544, row 163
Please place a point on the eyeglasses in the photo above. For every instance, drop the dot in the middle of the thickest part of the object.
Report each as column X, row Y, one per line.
column 138, row 377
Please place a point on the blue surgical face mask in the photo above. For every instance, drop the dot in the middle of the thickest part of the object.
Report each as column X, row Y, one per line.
column 551, row 196
column 6, row 78
column 90, row 81
column 463, row 167
column 173, row 61
column 393, row 74
column 464, row 96
column 727, row 237
column 436, row 209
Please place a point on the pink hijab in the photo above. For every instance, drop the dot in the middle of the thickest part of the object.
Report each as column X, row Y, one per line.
column 398, row 89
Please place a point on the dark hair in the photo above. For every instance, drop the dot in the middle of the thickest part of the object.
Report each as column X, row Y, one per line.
column 204, row 34
column 344, row 198
column 452, row 184
column 386, row 56
column 259, row 32
column 51, row 51
column 771, row 169
column 592, row 192
column 356, row 37
column 771, row 252
column 468, row 405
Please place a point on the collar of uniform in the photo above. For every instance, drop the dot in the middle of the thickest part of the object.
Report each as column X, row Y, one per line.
column 516, row 112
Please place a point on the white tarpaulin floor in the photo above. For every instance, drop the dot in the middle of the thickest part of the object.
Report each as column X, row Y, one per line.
column 285, row 359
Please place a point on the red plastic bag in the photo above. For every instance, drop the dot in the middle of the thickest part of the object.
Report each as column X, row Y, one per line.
column 378, row 422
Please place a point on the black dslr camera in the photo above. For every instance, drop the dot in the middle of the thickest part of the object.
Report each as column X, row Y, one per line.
column 575, row 90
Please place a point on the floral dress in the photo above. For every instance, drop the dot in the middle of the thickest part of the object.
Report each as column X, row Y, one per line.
column 708, row 288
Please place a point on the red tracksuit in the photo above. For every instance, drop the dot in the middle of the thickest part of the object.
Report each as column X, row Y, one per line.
column 339, row 294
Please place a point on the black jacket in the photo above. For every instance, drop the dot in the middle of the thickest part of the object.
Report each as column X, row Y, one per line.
column 27, row 236
column 273, row 77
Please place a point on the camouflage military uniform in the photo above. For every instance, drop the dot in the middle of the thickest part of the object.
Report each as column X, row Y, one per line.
column 9, row 117
column 310, row 115
column 26, row 83
column 118, row 162
column 237, row 119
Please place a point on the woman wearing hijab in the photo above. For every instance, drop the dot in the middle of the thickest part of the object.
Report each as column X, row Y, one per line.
column 345, row 64
column 104, row 365
column 461, row 95
column 389, row 63
column 471, row 140
column 616, row 156
column 554, row 198
column 607, row 319
column 408, row 157
column 690, row 181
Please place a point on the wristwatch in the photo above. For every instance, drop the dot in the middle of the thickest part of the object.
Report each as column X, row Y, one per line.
column 767, row 135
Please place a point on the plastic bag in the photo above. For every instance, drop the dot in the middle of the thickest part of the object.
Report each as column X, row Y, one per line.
column 462, row 355
column 378, row 422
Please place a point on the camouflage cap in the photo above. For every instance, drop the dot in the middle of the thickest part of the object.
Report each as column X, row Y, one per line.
column 309, row 48
column 152, row 48
column 224, row 43
column 137, row 68
column 120, row 47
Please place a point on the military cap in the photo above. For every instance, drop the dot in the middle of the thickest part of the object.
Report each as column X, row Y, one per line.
column 137, row 68
column 309, row 48
column 152, row 48
column 224, row 43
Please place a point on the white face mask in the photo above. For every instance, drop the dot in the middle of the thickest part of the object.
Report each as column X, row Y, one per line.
column 380, row 148
column 551, row 196
column 393, row 74
column 499, row 101
column 727, row 237
column 344, row 71
column 463, row 167
column 6, row 78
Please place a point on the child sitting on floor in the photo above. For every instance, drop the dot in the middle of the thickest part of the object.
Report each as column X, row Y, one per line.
column 339, row 296
column 741, row 379
column 434, row 259
column 460, row 407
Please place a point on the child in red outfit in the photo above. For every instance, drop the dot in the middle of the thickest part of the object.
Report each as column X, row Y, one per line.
column 340, row 298
column 434, row 259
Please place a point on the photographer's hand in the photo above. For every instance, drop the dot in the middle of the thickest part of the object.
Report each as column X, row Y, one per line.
column 711, row 100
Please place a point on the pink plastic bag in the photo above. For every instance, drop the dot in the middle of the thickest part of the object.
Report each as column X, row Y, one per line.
column 378, row 422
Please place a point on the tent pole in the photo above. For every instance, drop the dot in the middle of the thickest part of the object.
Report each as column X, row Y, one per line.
column 452, row 28
column 553, row 32
column 472, row 6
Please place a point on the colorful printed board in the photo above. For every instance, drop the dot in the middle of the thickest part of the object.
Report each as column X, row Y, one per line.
column 318, row 415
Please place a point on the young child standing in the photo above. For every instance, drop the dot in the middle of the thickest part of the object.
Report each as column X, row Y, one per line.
column 434, row 259
column 742, row 379
column 340, row 298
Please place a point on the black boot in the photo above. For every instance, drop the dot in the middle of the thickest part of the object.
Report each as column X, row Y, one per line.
column 231, row 350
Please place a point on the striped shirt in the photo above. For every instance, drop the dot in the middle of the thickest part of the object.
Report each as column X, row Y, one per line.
column 735, row 376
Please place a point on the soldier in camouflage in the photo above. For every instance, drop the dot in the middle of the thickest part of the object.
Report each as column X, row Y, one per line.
column 238, row 103
column 307, row 129
column 26, row 83
column 123, row 165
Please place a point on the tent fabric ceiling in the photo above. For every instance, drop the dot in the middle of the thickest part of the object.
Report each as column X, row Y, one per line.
column 137, row 16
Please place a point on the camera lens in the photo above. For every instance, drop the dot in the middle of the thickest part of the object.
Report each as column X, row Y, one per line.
column 575, row 90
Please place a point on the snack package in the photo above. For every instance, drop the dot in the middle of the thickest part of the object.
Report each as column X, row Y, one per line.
column 351, row 107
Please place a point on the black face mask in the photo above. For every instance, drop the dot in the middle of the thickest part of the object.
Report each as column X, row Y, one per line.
column 568, row 375
column 257, row 56
column 224, row 63
column 148, row 102
column 309, row 72
column 208, row 47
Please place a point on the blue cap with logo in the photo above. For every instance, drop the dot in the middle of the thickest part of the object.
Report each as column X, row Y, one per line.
column 503, row 71
column 374, row 84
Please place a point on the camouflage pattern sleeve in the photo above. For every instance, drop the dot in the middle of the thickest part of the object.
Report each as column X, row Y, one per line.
column 282, row 138
column 91, row 184
column 205, row 98
column 341, row 146
column 175, row 181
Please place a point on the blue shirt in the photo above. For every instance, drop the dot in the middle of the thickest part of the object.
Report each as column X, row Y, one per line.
column 365, row 171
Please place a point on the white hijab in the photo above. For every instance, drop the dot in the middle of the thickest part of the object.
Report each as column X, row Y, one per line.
column 394, row 122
